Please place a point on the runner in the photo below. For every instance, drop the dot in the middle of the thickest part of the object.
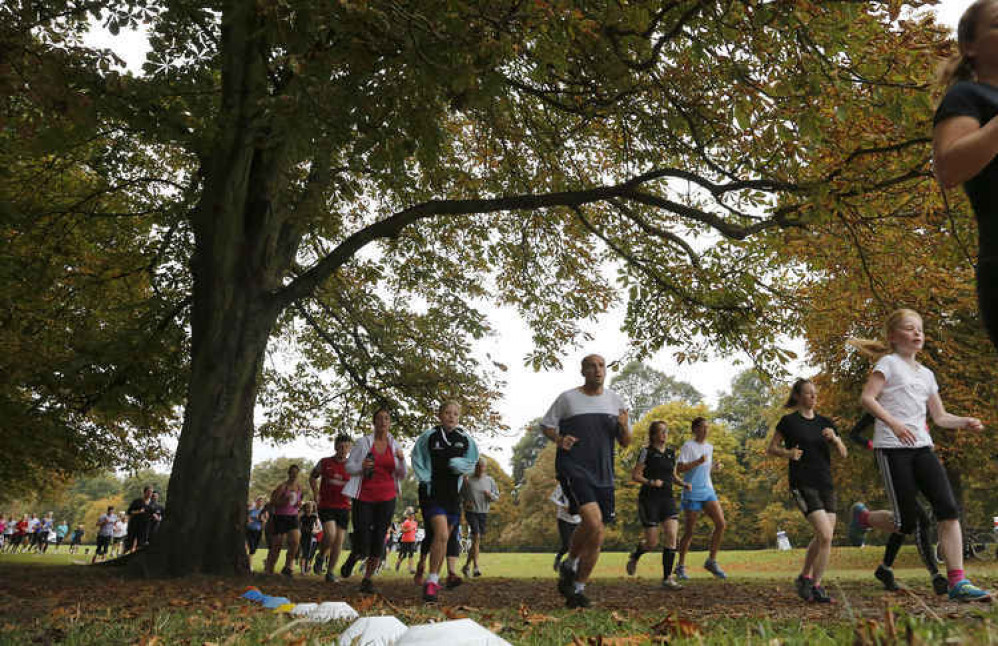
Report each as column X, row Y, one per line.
column 118, row 533
column 441, row 456
column 310, row 527
column 696, row 461
column 156, row 513
column 285, row 501
column 139, row 514
column 567, row 522
column 655, row 470
column 46, row 527
column 898, row 392
column 376, row 466
column 407, row 544
column 805, row 437
column 327, row 480
column 965, row 141
column 478, row 492
column 256, row 517
column 923, row 526
column 60, row 534
column 105, row 533
column 77, row 539
column 585, row 422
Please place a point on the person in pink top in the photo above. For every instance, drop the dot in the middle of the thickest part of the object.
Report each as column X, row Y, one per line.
column 285, row 500
column 376, row 466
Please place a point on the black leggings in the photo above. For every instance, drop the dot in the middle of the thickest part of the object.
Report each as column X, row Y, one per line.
column 908, row 471
column 987, row 297
column 370, row 522
column 565, row 531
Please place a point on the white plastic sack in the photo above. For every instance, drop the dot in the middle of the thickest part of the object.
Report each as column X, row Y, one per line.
column 462, row 632
column 329, row 610
column 303, row 609
column 372, row 631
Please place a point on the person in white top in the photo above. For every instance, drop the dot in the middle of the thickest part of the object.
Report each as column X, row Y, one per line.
column 899, row 392
column 695, row 463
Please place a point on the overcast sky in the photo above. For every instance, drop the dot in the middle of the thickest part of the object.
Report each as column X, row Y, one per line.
column 528, row 394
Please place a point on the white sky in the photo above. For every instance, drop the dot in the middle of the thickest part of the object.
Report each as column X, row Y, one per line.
column 527, row 394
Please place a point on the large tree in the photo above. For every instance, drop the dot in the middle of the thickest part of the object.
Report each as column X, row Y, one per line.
column 351, row 181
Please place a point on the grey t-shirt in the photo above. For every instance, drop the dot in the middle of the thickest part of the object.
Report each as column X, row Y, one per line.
column 475, row 493
column 593, row 420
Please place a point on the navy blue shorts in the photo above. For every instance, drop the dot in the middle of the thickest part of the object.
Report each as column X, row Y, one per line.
column 580, row 491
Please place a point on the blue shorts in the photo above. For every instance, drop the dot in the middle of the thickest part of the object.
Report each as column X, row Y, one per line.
column 697, row 505
column 433, row 508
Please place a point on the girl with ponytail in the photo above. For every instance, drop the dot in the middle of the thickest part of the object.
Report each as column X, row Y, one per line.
column 965, row 140
column 899, row 392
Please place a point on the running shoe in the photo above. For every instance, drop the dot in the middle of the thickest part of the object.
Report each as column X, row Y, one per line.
column 330, row 577
column 347, row 568
column 557, row 561
column 566, row 579
column 288, row 573
column 671, row 584
column 319, row 562
column 857, row 533
column 366, row 585
column 966, row 591
column 804, row 588
column 577, row 600
column 466, row 571
column 886, row 576
column 681, row 573
column 818, row 595
column 430, row 591
column 477, row 572
column 418, row 576
column 632, row 565
column 453, row 581
column 711, row 566
column 939, row 584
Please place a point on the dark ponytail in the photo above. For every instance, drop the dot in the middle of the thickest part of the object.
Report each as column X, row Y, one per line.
column 960, row 67
column 795, row 391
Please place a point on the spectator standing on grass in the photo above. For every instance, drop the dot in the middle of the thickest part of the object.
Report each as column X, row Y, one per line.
column 139, row 517
column 478, row 492
column 156, row 512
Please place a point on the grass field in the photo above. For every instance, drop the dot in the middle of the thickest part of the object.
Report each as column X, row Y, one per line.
column 48, row 599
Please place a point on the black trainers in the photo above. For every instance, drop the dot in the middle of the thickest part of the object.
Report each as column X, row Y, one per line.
column 818, row 595
column 319, row 562
column 632, row 565
column 577, row 600
column 886, row 576
column 939, row 584
column 366, row 585
column 566, row 579
column 804, row 588
column 453, row 581
column 347, row 568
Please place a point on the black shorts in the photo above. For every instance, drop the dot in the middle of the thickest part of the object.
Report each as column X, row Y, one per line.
column 339, row 516
column 407, row 549
column 909, row 471
column 285, row 524
column 580, row 491
column 253, row 539
column 809, row 499
column 476, row 522
column 655, row 507
column 102, row 544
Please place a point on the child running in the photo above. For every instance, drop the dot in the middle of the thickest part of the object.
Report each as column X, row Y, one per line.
column 923, row 525
column 898, row 392
column 696, row 461
column 806, row 437
column 965, row 141
column 655, row 470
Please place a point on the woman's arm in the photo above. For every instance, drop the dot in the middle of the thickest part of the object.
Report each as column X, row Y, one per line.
column 776, row 449
column 638, row 472
column 871, row 390
column 962, row 147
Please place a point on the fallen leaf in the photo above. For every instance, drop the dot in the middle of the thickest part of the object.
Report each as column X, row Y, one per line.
column 677, row 627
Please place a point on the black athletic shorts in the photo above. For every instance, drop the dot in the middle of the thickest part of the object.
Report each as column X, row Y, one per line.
column 285, row 524
column 407, row 549
column 580, row 491
column 655, row 507
column 339, row 516
column 809, row 499
column 476, row 522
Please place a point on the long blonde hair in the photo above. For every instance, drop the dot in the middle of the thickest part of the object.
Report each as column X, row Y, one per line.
column 873, row 349
column 960, row 67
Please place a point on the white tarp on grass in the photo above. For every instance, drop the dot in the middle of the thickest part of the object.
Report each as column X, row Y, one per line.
column 461, row 632
column 372, row 631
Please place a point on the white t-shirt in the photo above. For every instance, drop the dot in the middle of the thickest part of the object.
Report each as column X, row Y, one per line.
column 905, row 396
column 120, row 529
column 698, row 476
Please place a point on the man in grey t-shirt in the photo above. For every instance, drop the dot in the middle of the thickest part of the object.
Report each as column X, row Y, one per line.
column 478, row 492
column 585, row 423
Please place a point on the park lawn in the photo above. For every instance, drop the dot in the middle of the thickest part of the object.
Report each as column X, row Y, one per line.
column 74, row 604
